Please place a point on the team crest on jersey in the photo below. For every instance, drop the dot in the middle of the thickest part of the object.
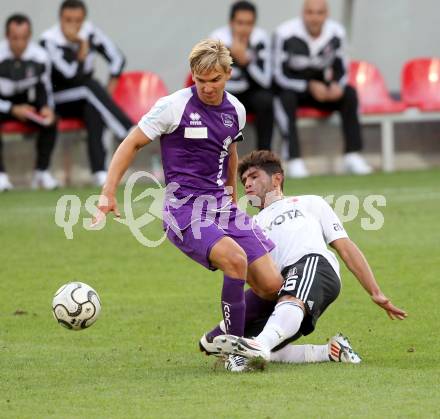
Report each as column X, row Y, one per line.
column 30, row 72
column 228, row 120
column 195, row 119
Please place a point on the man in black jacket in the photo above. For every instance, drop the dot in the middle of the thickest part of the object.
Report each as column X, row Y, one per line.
column 72, row 45
column 310, row 70
column 26, row 95
column 251, row 78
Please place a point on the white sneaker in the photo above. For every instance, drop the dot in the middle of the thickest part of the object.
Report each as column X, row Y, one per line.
column 209, row 348
column 99, row 178
column 354, row 163
column 236, row 363
column 234, row 345
column 5, row 183
column 297, row 169
column 340, row 350
column 43, row 179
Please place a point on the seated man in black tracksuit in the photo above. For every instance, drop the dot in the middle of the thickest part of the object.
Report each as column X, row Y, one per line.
column 72, row 45
column 310, row 70
column 26, row 95
column 251, row 78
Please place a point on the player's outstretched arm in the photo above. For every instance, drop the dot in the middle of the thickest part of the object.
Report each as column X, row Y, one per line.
column 121, row 160
column 356, row 262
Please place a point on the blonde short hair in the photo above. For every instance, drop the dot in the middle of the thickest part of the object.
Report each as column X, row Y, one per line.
column 208, row 54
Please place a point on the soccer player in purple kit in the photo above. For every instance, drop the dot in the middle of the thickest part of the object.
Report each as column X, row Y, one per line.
column 198, row 128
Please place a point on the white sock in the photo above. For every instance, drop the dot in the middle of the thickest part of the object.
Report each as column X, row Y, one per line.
column 222, row 326
column 284, row 322
column 301, row 354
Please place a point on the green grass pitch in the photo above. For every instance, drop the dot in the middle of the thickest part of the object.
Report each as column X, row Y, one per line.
column 140, row 360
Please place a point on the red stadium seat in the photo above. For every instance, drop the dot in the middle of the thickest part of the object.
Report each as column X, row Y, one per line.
column 312, row 113
column 137, row 91
column 70, row 124
column 372, row 92
column 420, row 84
column 16, row 127
column 188, row 81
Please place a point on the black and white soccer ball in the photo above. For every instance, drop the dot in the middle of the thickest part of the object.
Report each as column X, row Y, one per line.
column 76, row 306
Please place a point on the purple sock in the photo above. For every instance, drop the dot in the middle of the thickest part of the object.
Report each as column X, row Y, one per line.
column 214, row 332
column 256, row 307
column 233, row 305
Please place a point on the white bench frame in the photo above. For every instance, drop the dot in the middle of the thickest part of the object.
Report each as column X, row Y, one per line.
column 386, row 123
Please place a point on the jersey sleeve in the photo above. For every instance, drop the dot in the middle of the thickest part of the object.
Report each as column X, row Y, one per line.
column 241, row 111
column 340, row 64
column 110, row 52
column 44, row 87
column 159, row 120
column 331, row 225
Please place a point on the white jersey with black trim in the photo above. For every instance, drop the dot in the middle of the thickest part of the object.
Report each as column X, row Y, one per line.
column 299, row 226
column 298, row 57
column 259, row 70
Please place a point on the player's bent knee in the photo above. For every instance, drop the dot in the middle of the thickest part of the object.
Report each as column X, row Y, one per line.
column 236, row 265
column 267, row 288
column 271, row 287
column 233, row 262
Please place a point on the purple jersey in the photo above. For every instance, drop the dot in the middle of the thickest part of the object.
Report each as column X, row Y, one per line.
column 194, row 139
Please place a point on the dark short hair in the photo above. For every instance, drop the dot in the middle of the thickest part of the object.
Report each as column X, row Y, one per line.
column 242, row 5
column 73, row 4
column 17, row 18
column 265, row 160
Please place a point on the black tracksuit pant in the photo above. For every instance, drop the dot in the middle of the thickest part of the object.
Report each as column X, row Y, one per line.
column 90, row 101
column 45, row 144
column 347, row 106
column 260, row 103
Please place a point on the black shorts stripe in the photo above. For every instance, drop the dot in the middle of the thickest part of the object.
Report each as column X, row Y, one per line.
column 308, row 274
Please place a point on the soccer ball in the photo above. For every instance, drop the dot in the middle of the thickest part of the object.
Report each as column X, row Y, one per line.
column 76, row 306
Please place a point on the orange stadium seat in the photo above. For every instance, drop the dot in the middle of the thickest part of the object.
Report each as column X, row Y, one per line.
column 420, row 84
column 372, row 91
column 137, row 91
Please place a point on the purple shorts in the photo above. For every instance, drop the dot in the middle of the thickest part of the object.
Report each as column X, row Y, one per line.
column 197, row 240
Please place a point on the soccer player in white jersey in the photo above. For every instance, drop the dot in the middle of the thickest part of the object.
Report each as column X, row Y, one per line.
column 198, row 129
column 301, row 228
